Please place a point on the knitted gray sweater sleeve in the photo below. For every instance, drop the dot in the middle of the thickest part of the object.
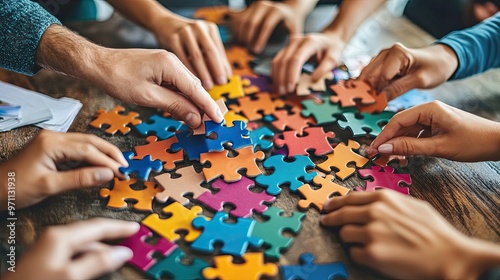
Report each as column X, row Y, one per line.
column 22, row 24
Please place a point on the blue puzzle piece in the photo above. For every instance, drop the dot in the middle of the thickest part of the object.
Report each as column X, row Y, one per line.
column 410, row 99
column 235, row 236
column 365, row 123
column 142, row 166
column 237, row 135
column 309, row 270
column 163, row 128
column 286, row 172
column 258, row 140
column 193, row 145
column 172, row 267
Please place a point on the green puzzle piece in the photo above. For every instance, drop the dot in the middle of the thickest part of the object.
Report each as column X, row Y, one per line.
column 272, row 230
column 324, row 112
column 370, row 122
column 173, row 267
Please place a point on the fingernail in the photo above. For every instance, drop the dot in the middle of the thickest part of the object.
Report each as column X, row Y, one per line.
column 385, row 148
column 120, row 254
column 191, row 120
column 221, row 80
column 103, row 175
column 123, row 162
column 281, row 90
column 219, row 114
column 290, row 87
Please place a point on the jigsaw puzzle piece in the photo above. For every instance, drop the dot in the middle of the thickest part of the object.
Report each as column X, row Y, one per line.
column 163, row 128
column 143, row 251
column 343, row 155
column 232, row 116
column 306, row 85
column 254, row 267
column 253, row 106
column 174, row 266
column 293, row 121
column 285, row 173
column 271, row 230
column 160, row 150
column 323, row 112
column 116, row 120
column 310, row 270
column 236, row 237
column 122, row 191
column 384, row 160
column 262, row 82
column 377, row 107
column 215, row 14
column 193, row 145
column 384, row 178
column 180, row 219
column 317, row 197
column 228, row 167
column 362, row 124
column 259, row 141
column 410, row 99
column 176, row 188
column 233, row 89
column 223, row 110
column 315, row 139
column 239, row 195
column 142, row 166
column 240, row 60
column 348, row 92
column 237, row 135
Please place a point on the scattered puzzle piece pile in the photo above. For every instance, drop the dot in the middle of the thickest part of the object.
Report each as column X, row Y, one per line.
column 217, row 183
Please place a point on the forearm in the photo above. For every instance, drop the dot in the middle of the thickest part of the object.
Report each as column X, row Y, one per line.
column 22, row 24
column 147, row 13
column 352, row 13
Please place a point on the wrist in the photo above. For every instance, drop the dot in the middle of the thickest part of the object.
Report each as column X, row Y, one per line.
column 336, row 36
column 448, row 58
column 473, row 258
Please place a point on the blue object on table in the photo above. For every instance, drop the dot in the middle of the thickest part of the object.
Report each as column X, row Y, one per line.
column 410, row 99
column 142, row 166
column 310, row 270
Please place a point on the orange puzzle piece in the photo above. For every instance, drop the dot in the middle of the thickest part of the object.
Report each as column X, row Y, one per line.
column 115, row 120
column 348, row 92
column 295, row 121
column 240, row 60
column 377, row 107
column 341, row 157
column 306, row 84
column 317, row 197
column 159, row 150
column 176, row 188
column 215, row 14
column 233, row 89
column 121, row 192
column 250, row 106
column 228, row 167
column 180, row 220
column 253, row 268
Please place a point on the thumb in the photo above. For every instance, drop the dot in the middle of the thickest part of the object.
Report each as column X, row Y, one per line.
column 86, row 177
column 408, row 146
column 326, row 65
column 402, row 85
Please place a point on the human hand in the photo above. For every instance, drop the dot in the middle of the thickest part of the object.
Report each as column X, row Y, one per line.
column 437, row 129
column 399, row 69
column 158, row 79
column 287, row 64
column 254, row 25
column 404, row 238
column 198, row 45
column 76, row 251
column 36, row 173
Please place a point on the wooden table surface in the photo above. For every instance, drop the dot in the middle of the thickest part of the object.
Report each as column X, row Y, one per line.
column 467, row 194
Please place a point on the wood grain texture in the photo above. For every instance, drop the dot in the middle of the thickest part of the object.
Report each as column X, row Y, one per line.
column 466, row 194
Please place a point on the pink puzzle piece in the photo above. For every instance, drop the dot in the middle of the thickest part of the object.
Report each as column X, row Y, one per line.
column 160, row 150
column 316, row 139
column 143, row 251
column 384, row 178
column 294, row 121
column 177, row 188
column 239, row 195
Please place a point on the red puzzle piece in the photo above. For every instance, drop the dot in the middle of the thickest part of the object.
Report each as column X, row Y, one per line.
column 115, row 120
column 384, row 178
column 295, row 121
column 160, row 150
column 250, row 106
column 347, row 93
column 316, row 139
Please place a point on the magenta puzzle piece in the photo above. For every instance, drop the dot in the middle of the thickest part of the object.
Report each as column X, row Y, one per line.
column 143, row 251
column 384, row 178
column 239, row 195
column 263, row 82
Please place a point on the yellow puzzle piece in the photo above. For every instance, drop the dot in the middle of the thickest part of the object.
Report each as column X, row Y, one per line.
column 253, row 268
column 233, row 89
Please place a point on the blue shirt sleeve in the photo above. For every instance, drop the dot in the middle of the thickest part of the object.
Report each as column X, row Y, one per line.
column 22, row 24
column 477, row 48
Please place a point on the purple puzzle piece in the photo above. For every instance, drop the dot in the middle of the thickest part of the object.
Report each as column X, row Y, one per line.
column 143, row 251
column 263, row 82
column 384, row 178
column 238, row 194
